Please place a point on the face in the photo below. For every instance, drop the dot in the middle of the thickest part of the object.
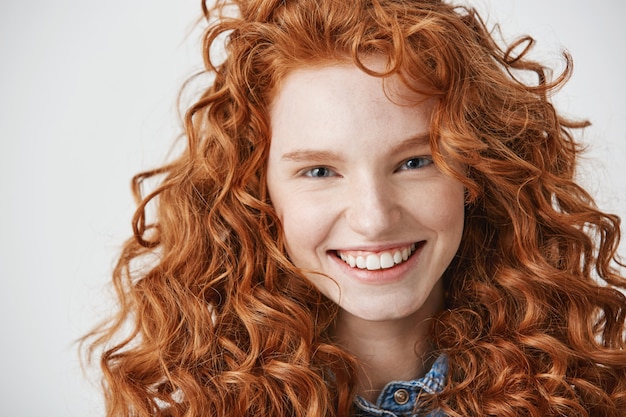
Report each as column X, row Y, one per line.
column 365, row 211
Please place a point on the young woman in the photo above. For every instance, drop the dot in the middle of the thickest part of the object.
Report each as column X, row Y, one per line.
column 375, row 215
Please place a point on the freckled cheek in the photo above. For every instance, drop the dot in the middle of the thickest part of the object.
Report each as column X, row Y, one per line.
column 447, row 209
column 303, row 227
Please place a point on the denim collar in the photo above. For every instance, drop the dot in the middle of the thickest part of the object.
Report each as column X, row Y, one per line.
column 409, row 392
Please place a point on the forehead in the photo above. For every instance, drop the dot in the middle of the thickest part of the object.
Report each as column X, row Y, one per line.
column 343, row 70
column 340, row 105
column 317, row 89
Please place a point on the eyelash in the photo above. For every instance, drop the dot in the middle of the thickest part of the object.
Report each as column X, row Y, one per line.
column 424, row 161
column 311, row 172
column 325, row 172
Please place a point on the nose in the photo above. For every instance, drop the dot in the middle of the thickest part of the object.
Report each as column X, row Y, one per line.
column 374, row 209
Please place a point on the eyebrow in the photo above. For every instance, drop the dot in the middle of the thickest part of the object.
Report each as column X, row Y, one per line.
column 309, row 155
column 312, row 155
column 421, row 139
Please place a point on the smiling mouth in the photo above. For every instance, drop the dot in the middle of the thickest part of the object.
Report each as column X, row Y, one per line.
column 378, row 260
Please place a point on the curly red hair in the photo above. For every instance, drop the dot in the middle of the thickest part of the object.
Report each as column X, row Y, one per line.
column 214, row 320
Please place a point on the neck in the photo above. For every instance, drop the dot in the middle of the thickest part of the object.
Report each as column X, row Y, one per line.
column 390, row 350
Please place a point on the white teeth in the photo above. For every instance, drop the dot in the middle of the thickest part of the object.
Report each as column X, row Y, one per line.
column 383, row 260
column 397, row 257
column 372, row 262
column 386, row 260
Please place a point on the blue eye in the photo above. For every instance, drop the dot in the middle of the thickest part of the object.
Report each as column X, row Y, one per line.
column 319, row 172
column 416, row 163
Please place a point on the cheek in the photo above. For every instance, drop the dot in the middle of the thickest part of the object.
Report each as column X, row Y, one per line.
column 447, row 210
column 302, row 227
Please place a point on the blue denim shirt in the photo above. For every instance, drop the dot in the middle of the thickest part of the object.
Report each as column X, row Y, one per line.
column 399, row 398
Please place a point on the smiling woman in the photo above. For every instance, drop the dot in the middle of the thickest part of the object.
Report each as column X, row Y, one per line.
column 374, row 216
column 347, row 172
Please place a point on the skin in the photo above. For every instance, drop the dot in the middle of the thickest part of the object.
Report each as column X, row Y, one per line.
column 350, row 175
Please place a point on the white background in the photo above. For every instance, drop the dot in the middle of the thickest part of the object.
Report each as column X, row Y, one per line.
column 88, row 98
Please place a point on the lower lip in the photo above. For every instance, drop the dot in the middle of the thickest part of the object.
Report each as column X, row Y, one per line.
column 380, row 276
